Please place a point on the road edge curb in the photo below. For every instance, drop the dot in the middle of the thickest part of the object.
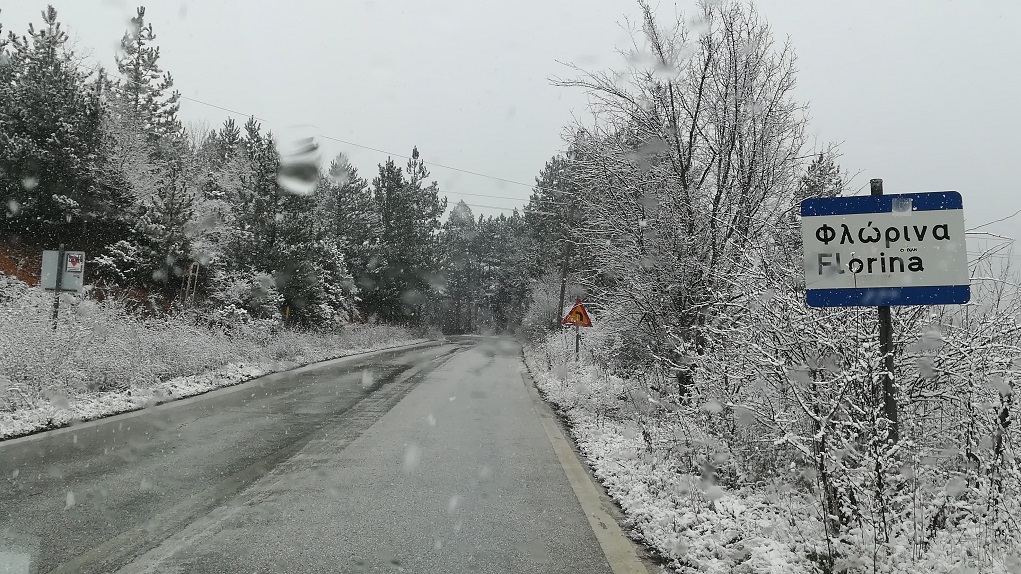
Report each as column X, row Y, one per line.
column 620, row 551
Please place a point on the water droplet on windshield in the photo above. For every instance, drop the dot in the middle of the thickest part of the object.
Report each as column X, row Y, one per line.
column 453, row 503
column 340, row 172
column 431, row 420
column 30, row 182
column 69, row 500
column 13, row 207
column 412, row 456
column 713, row 407
column 299, row 167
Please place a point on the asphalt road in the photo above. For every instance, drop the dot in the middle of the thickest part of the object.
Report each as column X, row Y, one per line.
column 424, row 460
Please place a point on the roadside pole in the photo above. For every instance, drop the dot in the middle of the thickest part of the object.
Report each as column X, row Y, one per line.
column 886, row 349
column 578, row 317
column 56, row 292
column 883, row 251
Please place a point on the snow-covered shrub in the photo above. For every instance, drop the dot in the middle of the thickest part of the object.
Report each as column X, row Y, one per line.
column 101, row 346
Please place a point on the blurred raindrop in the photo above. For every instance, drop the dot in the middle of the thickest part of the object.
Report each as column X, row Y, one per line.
column 367, row 378
column 30, row 182
column 956, row 485
column 698, row 26
column 714, row 492
column 902, row 205
column 926, row 369
column 412, row 457
column 69, row 500
column 13, row 207
column 453, row 503
column 431, row 420
column 340, row 172
column 299, row 167
column 59, row 400
column 714, row 407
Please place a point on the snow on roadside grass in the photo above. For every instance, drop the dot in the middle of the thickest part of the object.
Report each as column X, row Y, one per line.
column 700, row 527
column 90, row 406
column 696, row 527
column 104, row 359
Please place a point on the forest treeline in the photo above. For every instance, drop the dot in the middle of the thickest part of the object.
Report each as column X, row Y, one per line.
column 220, row 221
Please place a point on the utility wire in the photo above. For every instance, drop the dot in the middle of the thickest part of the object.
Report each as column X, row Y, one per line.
column 99, row 67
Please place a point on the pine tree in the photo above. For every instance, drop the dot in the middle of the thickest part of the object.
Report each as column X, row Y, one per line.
column 822, row 179
column 51, row 162
column 347, row 207
column 151, row 153
column 461, row 272
column 145, row 85
column 548, row 214
column 409, row 220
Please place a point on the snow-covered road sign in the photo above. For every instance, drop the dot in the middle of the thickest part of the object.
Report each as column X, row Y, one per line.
column 75, row 262
column 71, row 269
column 578, row 316
column 867, row 251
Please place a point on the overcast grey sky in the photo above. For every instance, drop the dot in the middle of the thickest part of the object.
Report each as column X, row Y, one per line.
column 921, row 93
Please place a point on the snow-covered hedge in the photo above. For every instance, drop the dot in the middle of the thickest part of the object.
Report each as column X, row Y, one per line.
column 103, row 359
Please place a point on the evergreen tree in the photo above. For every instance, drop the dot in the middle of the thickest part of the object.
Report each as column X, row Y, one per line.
column 409, row 220
column 145, row 86
column 348, row 211
column 822, row 179
column 461, row 272
column 548, row 215
column 52, row 169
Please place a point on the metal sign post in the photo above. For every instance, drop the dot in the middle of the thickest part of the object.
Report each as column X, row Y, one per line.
column 883, row 250
column 62, row 271
column 886, row 350
column 577, row 316
column 59, row 283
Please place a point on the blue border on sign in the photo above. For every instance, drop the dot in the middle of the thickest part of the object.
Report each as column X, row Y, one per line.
column 927, row 201
column 875, row 296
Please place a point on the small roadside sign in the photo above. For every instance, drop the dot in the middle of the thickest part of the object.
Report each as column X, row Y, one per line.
column 71, row 270
column 578, row 316
column 75, row 262
column 881, row 250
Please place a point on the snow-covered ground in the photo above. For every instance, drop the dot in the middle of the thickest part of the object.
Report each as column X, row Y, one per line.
column 700, row 527
column 103, row 360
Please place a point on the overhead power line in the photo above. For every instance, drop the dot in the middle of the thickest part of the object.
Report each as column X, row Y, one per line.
column 99, row 68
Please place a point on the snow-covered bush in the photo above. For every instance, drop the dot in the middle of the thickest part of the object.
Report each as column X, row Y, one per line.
column 101, row 347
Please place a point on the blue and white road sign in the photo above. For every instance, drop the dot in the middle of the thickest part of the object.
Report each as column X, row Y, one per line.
column 873, row 250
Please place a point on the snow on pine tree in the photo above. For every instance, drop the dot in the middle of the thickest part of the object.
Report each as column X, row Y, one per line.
column 409, row 215
column 52, row 173
column 346, row 207
column 157, row 161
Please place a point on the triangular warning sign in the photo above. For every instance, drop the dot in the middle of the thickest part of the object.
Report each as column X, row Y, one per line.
column 578, row 316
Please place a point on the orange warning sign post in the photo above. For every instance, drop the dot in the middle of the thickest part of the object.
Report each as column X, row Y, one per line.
column 578, row 316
